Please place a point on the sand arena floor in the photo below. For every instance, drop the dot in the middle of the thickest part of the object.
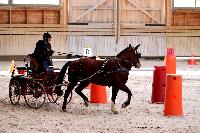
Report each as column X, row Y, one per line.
column 139, row 116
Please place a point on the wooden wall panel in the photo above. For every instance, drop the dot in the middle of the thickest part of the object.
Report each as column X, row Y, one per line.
column 30, row 15
column 105, row 45
column 186, row 17
column 185, row 46
column 18, row 17
column 134, row 11
column 51, row 17
column 25, row 44
column 101, row 45
column 102, row 14
column 85, row 11
column 5, row 17
column 35, row 16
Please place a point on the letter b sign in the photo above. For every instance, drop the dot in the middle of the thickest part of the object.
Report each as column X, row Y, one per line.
column 87, row 52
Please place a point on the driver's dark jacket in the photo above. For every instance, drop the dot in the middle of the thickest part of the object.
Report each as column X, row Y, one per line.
column 43, row 49
column 42, row 54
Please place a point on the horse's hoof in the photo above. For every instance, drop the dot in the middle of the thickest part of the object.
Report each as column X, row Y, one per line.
column 63, row 108
column 124, row 105
column 116, row 112
column 87, row 104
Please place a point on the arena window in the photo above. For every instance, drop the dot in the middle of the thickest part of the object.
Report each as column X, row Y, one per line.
column 186, row 3
column 42, row 2
column 31, row 2
column 3, row 1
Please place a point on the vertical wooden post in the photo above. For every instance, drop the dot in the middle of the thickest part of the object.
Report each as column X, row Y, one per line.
column 163, row 11
column 27, row 16
column 43, row 17
column 117, row 20
column 10, row 2
column 64, row 13
column 168, row 12
column 10, row 16
column 168, row 18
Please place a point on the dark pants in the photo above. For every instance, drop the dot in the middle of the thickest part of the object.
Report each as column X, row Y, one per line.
column 44, row 64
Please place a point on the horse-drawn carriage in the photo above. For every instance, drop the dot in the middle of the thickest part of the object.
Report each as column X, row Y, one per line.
column 33, row 86
column 111, row 72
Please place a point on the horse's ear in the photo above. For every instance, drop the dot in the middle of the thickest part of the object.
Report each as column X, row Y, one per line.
column 130, row 45
column 137, row 46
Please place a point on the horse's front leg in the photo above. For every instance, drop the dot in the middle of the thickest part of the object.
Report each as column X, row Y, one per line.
column 79, row 89
column 70, row 87
column 114, row 95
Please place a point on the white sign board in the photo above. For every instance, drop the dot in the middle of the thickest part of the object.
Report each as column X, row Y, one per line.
column 87, row 52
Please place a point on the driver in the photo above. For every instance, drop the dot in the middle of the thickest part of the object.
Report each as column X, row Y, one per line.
column 43, row 52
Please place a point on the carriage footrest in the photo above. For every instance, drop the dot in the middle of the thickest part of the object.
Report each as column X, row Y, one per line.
column 21, row 68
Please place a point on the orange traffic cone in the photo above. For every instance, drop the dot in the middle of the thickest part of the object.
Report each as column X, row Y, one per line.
column 12, row 67
column 173, row 96
column 98, row 94
column 192, row 61
column 170, row 61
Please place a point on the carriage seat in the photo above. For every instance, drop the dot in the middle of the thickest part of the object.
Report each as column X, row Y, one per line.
column 32, row 63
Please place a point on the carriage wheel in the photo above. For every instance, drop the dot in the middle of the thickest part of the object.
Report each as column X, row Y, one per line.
column 14, row 91
column 53, row 97
column 34, row 94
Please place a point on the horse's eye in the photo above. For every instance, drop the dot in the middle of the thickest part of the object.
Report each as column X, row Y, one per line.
column 138, row 55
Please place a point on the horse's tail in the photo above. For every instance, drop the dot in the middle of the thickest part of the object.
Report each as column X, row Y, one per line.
column 60, row 77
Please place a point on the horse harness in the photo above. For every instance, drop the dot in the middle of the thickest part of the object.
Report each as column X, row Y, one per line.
column 105, row 73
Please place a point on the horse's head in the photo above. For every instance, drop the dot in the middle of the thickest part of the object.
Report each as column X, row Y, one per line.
column 131, row 54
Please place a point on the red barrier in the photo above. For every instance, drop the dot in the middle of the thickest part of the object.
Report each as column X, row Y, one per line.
column 98, row 94
column 159, row 84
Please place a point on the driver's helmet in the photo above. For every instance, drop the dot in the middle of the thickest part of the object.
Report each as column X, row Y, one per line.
column 46, row 35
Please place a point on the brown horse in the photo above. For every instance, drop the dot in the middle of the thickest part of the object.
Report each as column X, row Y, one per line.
column 112, row 72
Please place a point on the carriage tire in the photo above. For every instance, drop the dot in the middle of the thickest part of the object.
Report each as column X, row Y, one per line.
column 14, row 91
column 34, row 94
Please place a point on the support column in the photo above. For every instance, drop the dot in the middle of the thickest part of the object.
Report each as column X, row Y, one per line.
column 64, row 13
column 168, row 12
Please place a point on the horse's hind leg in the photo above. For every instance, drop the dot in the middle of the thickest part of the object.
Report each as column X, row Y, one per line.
column 70, row 87
column 114, row 95
column 127, row 90
column 79, row 89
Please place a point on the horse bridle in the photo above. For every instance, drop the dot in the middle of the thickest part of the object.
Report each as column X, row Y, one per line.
column 138, row 55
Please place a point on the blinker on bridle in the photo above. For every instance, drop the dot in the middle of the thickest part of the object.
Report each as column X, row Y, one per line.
column 138, row 55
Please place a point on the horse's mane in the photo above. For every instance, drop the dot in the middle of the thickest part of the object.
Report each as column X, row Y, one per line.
column 122, row 52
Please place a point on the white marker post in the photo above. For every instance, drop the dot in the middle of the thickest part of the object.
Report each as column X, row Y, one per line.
column 87, row 52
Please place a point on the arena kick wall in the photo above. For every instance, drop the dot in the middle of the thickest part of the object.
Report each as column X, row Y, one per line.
column 11, row 45
column 106, row 26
